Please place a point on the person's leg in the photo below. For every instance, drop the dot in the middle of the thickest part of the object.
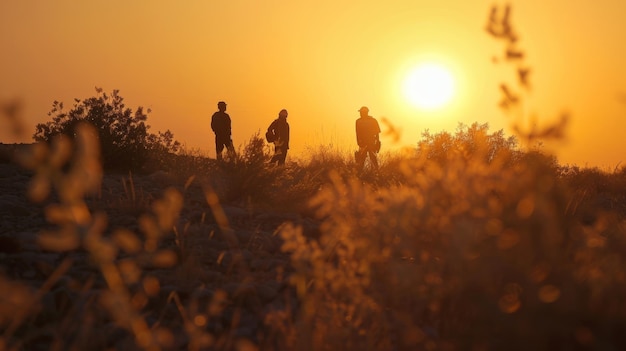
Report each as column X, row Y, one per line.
column 283, row 156
column 359, row 157
column 276, row 156
column 231, row 149
column 373, row 159
column 219, row 147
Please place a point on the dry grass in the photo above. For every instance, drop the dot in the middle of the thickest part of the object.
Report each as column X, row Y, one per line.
column 468, row 243
column 526, row 252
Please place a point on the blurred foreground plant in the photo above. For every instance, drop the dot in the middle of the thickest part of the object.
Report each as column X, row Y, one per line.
column 71, row 169
column 470, row 242
column 500, row 27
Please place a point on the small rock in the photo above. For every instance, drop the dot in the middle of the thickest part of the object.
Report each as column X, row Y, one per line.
column 267, row 291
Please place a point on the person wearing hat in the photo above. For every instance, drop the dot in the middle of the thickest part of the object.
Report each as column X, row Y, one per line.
column 367, row 137
column 279, row 132
column 220, row 124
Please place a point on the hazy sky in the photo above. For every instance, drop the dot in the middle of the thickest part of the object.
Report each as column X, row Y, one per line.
column 321, row 60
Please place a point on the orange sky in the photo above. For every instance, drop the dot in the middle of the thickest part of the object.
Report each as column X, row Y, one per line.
column 321, row 60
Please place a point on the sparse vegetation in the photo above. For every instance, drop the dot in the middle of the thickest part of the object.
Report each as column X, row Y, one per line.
column 468, row 243
column 366, row 263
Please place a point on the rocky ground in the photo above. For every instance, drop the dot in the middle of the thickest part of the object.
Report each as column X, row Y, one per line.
column 239, row 261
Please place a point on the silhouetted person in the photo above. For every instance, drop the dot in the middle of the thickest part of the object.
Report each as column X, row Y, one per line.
column 367, row 131
column 220, row 123
column 280, row 131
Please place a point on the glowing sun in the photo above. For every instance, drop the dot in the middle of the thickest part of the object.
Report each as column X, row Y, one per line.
column 429, row 86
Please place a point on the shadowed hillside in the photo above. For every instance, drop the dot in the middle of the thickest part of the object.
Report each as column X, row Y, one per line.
column 465, row 243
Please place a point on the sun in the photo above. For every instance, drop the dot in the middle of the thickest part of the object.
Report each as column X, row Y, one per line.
column 429, row 86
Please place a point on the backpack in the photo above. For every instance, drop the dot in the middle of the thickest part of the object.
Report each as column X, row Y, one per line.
column 270, row 136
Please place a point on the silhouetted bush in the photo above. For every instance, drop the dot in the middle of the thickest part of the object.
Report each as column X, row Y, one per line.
column 473, row 141
column 125, row 140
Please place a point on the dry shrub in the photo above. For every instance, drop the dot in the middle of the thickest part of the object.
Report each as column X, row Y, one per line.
column 123, row 133
column 465, row 254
